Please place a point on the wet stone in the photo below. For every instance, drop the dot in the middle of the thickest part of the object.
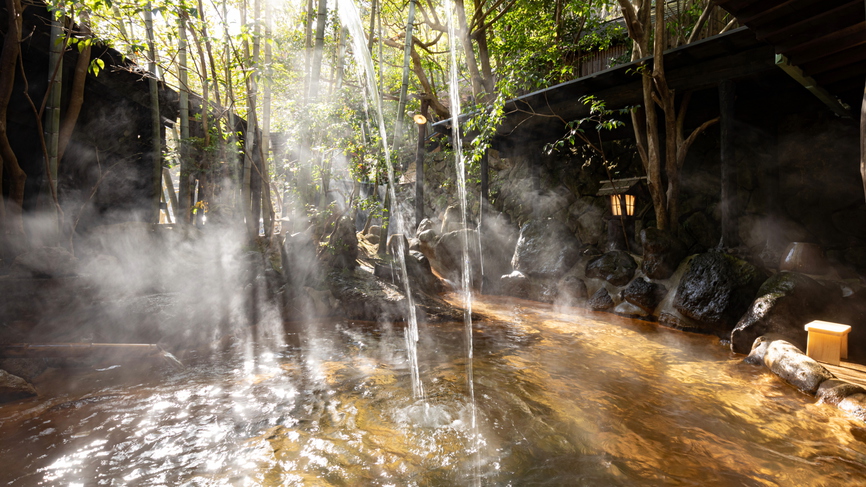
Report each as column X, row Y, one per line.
column 571, row 288
column 662, row 253
column 545, row 248
column 600, row 301
column 615, row 267
column 785, row 303
column 13, row 387
column 716, row 290
column 644, row 294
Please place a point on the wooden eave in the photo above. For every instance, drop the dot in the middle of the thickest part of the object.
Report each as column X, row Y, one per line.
column 826, row 39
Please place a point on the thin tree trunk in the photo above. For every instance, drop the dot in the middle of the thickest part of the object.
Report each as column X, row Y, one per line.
column 267, row 205
column 154, row 115
column 182, row 212
column 404, row 85
column 12, row 218
column 318, row 51
column 56, row 46
column 76, row 96
column 373, row 9
column 308, row 49
column 471, row 60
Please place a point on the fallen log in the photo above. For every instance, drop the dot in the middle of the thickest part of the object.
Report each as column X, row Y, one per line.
column 98, row 350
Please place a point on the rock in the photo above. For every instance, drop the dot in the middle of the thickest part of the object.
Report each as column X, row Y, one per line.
column 790, row 363
column 627, row 309
column 421, row 274
column 498, row 240
column 545, row 248
column 515, row 284
column 363, row 297
column 615, row 267
column 340, row 250
column 662, row 253
column 426, row 224
column 571, row 289
column 833, row 391
column 44, row 262
column 716, row 290
column 447, row 255
column 13, row 387
column 398, row 244
column 855, row 405
column 702, row 230
column 300, row 266
column 374, row 230
column 644, row 294
column 452, row 220
column 26, row 368
column 600, row 301
column 785, row 303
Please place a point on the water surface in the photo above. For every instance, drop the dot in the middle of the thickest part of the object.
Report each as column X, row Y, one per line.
column 564, row 396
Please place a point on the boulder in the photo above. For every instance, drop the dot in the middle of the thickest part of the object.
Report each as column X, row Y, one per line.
column 520, row 285
column 421, row 274
column 855, row 405
column 545, row 248
column 452, row 220
column 716, row 290
column 362, row 296
column 600, row 301
column 833, row 391
column 398, row 244
column 789, row 362
column 13, row 387
column 300, row 266
column 340, row 249
column 44, row 262
column 516, row 284
column 426, row 224
column 662, row 253
column 571, row 289
column 785, row 303
column 447, row 255
column 498, row 240
column 615, row 267
column 644, row 294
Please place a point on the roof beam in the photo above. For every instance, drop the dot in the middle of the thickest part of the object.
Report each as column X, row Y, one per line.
column 810, row 84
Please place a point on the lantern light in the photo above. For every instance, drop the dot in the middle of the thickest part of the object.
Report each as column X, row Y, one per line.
column 616, row 204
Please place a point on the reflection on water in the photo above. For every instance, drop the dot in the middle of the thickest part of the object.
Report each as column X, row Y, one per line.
column 562, row 400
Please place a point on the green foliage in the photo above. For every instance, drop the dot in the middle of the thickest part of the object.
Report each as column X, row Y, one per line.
column 600, row 119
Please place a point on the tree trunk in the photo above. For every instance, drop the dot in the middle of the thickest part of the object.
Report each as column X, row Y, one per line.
column 13, row 221
column 466, row 40
column 76, row 96
column 182, row 212
column 404, row 85
column 863, row 141
column 156, row 145
column 318, row 51
column 56, row 46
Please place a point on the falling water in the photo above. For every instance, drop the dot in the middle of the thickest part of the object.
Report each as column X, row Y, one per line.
column 351, row 18
column 454, row 95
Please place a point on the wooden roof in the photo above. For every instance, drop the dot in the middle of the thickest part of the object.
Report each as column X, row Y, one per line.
column 826, row 39
column 541, row 115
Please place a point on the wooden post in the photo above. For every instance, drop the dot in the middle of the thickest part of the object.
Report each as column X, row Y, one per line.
column 863, row 140
column 419, row 166
column 485, row 185
column 728, row 163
